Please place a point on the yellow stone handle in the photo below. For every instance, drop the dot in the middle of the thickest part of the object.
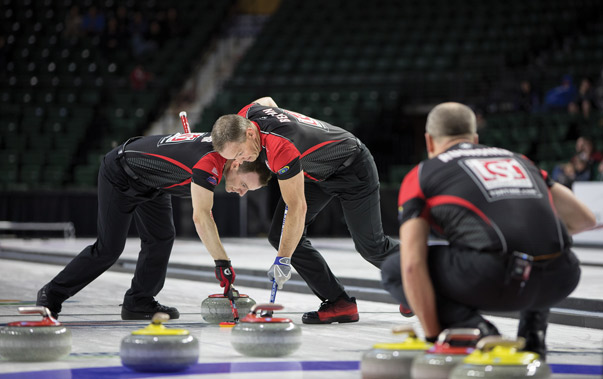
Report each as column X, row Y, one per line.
column 404, row 329
column 490, row 342
column 159, row 318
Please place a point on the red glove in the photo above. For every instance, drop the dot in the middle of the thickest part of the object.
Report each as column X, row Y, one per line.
column 225, row 274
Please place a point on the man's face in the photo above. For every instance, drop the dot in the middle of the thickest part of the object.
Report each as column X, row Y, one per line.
column 247, row 151
column 236, row 182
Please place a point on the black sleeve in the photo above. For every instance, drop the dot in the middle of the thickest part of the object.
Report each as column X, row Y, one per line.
column 204, row 179
column 289, row 170
column 411, row 209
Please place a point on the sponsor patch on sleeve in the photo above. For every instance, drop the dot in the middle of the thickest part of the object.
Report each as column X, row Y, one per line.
column 212, row 180
column 283, row 170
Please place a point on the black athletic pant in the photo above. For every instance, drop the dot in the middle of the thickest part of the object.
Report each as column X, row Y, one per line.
column 121, row 198
column 357, row 188
column 466, row 282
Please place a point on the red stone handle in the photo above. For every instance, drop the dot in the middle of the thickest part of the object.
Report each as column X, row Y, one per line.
column 266, row 307
column 463, row 334
column 43, row 311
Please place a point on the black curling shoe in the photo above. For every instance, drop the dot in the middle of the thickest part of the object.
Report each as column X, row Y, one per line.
column 146, row 312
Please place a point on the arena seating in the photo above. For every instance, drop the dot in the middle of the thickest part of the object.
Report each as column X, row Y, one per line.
column 66, row 100
column 359, row 65
column 371, row 67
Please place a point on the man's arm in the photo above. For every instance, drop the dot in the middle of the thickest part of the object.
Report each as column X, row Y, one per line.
column 266, row 101
column 575, row 214
column 203, row 201
column 292, row 191
column 416, row 282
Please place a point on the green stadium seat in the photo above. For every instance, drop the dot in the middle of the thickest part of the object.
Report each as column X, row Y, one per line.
column 85, row 176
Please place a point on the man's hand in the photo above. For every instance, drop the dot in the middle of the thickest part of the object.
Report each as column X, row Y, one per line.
column 280, row 271
column 225, row 274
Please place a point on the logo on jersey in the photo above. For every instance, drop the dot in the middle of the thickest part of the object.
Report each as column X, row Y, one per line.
column 212, row 180
column 306, row 120
column 214, row 171
column 283, row 170
column 184, row 137
column 500, row 178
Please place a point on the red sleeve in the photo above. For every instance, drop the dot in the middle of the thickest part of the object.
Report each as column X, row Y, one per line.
column 411, row 200
column 282, row 155
column 207, row 172
column 410, row 187
column 244, row 110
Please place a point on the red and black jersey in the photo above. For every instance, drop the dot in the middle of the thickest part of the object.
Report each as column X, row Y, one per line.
column 292, row 142
column 485, row 199
column 171, row 162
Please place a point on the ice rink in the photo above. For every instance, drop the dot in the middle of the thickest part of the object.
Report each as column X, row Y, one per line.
column 333, row 351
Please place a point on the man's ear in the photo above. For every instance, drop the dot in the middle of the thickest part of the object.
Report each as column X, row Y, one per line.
column 249, row 133
column 429, row 143
column 234, row 165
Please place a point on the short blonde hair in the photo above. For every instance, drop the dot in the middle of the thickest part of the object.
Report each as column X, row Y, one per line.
column 228, row 128
column 451, row 119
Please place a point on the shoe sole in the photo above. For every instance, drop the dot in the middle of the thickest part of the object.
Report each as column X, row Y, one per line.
column 339, row 319
column 129, row 315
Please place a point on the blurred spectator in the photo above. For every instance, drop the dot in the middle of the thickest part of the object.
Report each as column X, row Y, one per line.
column 3, row 54
column 582, row 169
column 112, row 38
column 599, row 172
column 123, row 22
column 93, row 22
column 173, row 25
column 139, row 78
column 156, row 35
column 599, row 91
column 564, row 174
column 527, row 100
column 560, row 97
column 583, row 166
column 585, row 149
column 584, row 101
column 575, row 170
column 139, row 34
column 73, row 24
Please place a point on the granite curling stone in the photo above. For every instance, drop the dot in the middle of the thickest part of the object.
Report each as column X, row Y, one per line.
column 159, row 349
column 499, row 358
column 216, row 308
column 393, row 360
column 452, row 346
column 35, row 341
column 258, row 336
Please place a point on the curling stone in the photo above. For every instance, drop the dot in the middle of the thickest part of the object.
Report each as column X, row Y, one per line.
column 452, row 346
column 499, row 358
column 393, row 360
column 159, row 349
column 216, row 308
column 258, row 336
column 35, row 341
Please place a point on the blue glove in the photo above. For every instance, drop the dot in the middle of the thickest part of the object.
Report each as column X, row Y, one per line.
column 280, row 271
